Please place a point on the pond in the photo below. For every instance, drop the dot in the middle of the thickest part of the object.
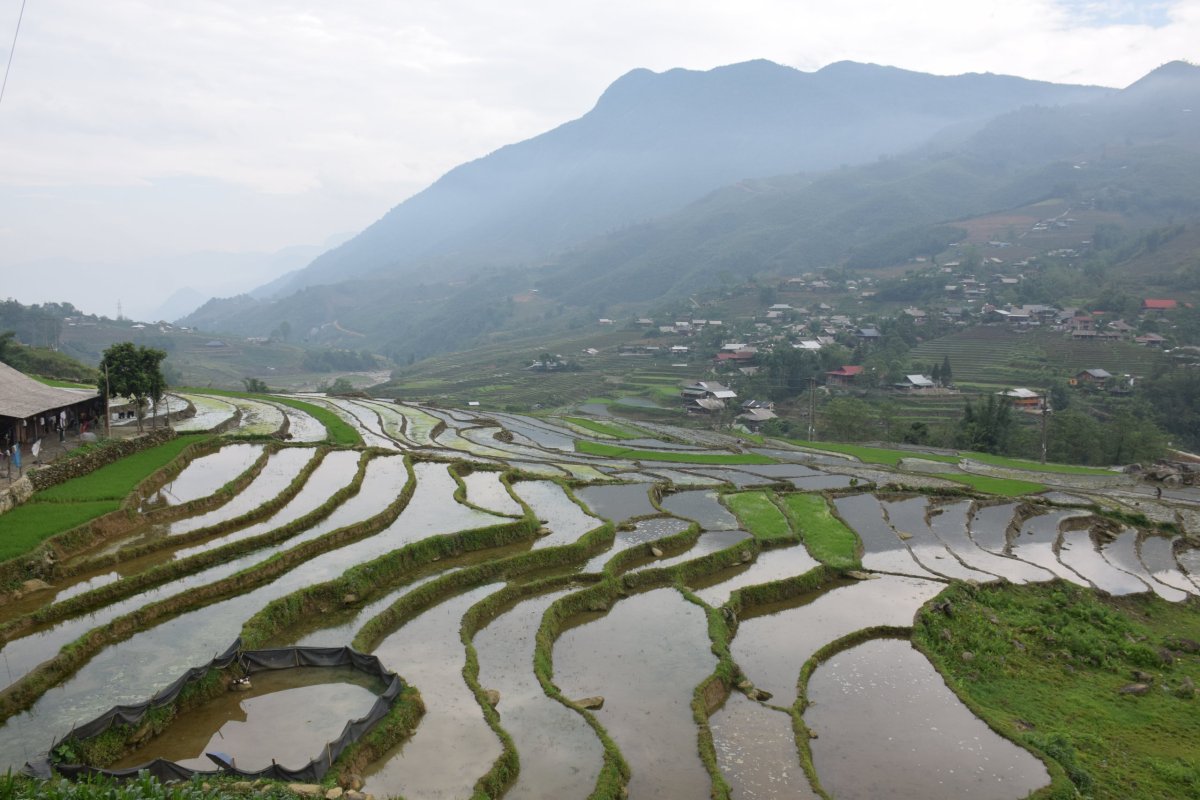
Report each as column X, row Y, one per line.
column 287, row 716
column 888, row 727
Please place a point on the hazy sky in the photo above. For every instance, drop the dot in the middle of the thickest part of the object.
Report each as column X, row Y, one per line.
column 133, row 132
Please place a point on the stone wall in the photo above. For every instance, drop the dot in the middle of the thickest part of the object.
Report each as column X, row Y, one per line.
column 74, row 466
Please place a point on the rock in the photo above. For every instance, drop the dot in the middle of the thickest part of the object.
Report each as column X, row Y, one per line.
column 656, row 552
column 1174, row 642
column 592, row 703
column 859, row 575
column 904, row 535
column 492, row 696
column 945, row 607
column 306, row 789
column 1136, row 689
column 354, row 794
column 350, row 599
column 1186, row 689
column 1022, row 725
column 334, row 793
column 351, row 781
column 813, row 735
column 747, row 556
column 544, row 531
column 967, row 656
column 1142, row 677
column 1166, row 656
column 240, row 685
column 34, row 585
column 761, row 694
column 745, row 685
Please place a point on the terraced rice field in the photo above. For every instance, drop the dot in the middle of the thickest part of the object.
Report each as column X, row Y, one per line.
column 586, row 633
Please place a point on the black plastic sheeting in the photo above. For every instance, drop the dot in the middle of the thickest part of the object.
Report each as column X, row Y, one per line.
column 250, row 662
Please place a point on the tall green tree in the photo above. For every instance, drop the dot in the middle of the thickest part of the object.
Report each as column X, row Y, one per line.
column 947, row 375
column 128, row 370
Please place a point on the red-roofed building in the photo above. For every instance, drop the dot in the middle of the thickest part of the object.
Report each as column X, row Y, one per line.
column 844, row 376
column 1153, row 304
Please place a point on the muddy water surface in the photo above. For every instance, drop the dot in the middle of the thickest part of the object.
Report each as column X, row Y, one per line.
column 770, row 565
column 644, row 532
column 1122, row 553
column 485, row 490
column 756, row 751
column 883, row 550
column 452, row 746
column 566, row 520
column 989, row 527
column 302, row 426
column 281, row 469
column 909, row 516
column 288, row 716
column 702, row 507
column 773, row 642
column 1038, row 540
column 706, row 544
column 889, row 727
column 1081, row 554
column 1158, row 554
column 206, row 474
column 950, row 526
column 645, row 657
column 560, row 753
column 619, row 502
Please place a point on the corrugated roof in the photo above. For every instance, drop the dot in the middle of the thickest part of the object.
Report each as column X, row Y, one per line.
column 21, row 396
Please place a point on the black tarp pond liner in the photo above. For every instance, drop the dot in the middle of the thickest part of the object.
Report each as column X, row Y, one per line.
column 250, row 662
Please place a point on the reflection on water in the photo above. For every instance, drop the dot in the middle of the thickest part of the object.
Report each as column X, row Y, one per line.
column 288, row 716
column 771, row 565
column 619, row 502
column 888, row 726
column 774, row 643
column 560, row 753
column 644, row 532
column 644, row 657
column 702, row 507
column 756, row 751
column 1080, row 553
column 206, row 474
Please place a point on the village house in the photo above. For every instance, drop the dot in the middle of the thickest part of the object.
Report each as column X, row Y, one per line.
column 843, row 376
column 31, row 410
column 706, row 396
column 1091, row 377
column 1023, row 399
column 916, row 383
column 1159, row 304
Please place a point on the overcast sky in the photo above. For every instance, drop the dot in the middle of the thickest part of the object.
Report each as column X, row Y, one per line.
column 133, row 132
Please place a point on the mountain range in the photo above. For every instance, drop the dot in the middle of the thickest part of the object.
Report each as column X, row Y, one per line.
column 674, row 179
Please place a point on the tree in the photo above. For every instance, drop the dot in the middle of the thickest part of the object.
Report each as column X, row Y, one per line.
column 128, row 370
column 256, row 385
column 285, row 329
column 947, row 375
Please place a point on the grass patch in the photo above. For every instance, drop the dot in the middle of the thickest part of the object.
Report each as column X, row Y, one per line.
column 759, row 515
column 27, row 526
column 603, row 428
column 615, row 451
column 1048, row 664
column 1006, row 487
column 116, row 480
column 827, row 538
column 873, row 455
column 338, row 431
column 1035, row 466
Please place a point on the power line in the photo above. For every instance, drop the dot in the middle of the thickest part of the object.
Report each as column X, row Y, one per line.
column 12, row 50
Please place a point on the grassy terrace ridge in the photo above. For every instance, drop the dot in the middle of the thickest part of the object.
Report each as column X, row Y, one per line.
column 603, row 428
column 682, row 457
column 1007, row 487
column 337, row 431
column 116, row 480
column 60, row 384
column 759, row 515
column 891, row 458
column 828, row 540
column 873, row 455
column 1047, row 668
column 1035, row 466
column 79, row 500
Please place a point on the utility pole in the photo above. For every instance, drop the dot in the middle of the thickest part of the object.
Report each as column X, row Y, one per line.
column 812, row 408
column 107, row 394
column 1045, row 414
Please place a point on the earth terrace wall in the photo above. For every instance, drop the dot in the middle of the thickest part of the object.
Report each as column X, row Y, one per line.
column 506, row 768
column 460, row 470
column 81, row 538
column 102, row 596
column 23, row 693
column 614, row 774
column 267, row 509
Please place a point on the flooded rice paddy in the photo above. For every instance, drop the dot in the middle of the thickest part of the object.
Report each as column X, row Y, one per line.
column 644, row 651
column 889, row 727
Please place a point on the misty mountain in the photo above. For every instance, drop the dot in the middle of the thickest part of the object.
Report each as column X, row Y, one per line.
column 655, row 142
